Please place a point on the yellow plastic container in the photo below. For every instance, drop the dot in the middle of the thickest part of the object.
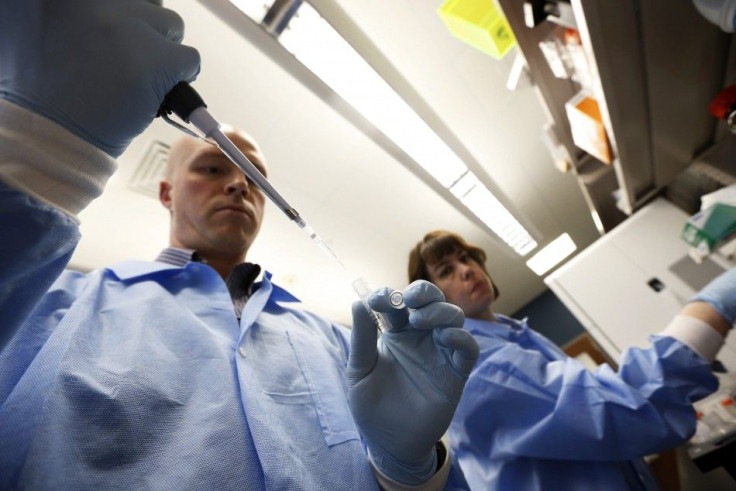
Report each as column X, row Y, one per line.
column 479, row 23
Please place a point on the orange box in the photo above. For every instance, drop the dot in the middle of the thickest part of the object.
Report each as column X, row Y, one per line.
column 587, row 127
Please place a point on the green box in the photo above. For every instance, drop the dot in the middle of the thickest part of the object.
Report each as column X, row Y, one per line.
column 479, row 23
column 708, row 227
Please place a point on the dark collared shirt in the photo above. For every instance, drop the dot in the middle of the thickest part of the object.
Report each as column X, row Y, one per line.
column 239, row 282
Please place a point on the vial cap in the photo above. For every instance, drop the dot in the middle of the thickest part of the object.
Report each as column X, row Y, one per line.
column 397, row 299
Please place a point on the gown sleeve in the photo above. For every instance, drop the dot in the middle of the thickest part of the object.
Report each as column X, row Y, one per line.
column 518, row 402
column 47, row 175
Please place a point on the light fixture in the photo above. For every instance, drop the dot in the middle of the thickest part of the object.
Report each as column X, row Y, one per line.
column 552, row 254
column 320, row 48
column 255, row 9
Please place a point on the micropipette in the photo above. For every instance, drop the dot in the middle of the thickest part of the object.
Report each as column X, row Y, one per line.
column 187, row 104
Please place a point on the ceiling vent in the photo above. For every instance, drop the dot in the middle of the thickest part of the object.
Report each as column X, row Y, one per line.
column 150, row 170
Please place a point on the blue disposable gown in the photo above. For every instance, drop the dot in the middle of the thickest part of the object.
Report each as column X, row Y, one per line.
column 139, row 376
column 532, row 418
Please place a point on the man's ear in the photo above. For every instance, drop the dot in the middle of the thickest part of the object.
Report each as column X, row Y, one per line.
column 164, row 194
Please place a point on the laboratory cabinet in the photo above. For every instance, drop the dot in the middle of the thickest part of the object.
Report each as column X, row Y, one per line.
column 653, row 66
column 632, row 281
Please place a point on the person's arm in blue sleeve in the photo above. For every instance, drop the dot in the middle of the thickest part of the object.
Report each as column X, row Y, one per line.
column 79, row 80
column 705, row 321
column 403, row 390
column 519, row 403
column 644, row 408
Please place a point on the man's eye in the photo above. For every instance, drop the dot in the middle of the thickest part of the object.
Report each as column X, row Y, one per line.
column 211, row 170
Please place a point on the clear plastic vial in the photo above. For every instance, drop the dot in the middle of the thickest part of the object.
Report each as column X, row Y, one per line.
column 361, row 288
column 702, row 432
column 716, row 424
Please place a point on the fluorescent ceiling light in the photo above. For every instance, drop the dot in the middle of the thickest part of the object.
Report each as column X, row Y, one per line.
column 478, row 199
column 321, row 49
column 552, row 254
column 255, row 9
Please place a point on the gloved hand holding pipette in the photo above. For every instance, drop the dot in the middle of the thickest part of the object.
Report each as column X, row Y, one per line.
column 131, row 65
column 403, row 391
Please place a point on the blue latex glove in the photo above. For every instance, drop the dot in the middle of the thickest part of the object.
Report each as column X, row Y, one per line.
column 720, row 293
column 403, row 390
column 100, row 68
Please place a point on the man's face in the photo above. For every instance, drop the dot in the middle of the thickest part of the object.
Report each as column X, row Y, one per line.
column 464, row 283
column 214, row 209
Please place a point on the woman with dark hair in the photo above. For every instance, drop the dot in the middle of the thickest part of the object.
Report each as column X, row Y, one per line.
column 533, row 418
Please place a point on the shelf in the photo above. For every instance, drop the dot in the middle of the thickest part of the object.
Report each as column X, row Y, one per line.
column 653, row 84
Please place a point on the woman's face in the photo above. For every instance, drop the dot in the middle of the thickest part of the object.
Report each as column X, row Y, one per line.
column 464, row 283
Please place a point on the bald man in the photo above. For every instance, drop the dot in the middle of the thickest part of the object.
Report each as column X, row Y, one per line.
column 214, row 209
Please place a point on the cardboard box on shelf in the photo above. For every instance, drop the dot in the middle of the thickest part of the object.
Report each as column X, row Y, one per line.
column 587, row 127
